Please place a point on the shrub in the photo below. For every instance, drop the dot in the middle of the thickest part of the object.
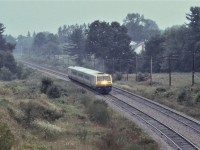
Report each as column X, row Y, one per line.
column 46, row 83
column 6, row 137
column 15, row 113
column 22, row 72
column 82, row 134
column 53, row 92
column 110, row 141
column 43, row 110
column 160, row 89
column 5, row 74
column 86, row 101
column 197, row 99
column 49, row 130
column 98, row 112
column 184, row 95
column 142, row 77
column 117, row 77
column 5, row 91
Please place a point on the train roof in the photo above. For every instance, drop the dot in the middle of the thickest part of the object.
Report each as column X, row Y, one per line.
column 86, row 70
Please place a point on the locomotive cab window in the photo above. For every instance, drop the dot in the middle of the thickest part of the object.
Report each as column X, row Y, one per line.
column 102, row 78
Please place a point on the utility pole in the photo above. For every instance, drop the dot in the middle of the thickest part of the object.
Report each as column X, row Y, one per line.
column 136, row 68
column 103, row 65
column 21, row 51
column 120, row 65
column 169, row 60
column 94, row 63
column 151, row 72
column 68, row 61
column 193, row 66
column 113, row 66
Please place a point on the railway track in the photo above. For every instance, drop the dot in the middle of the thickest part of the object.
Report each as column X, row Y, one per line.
column 164, row 110
column 43, row 69
column 174, row 138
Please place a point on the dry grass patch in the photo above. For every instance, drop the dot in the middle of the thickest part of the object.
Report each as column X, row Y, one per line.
column 49, row 130
column 180, row 96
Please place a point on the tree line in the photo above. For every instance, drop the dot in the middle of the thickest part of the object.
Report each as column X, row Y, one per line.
column 110, row 42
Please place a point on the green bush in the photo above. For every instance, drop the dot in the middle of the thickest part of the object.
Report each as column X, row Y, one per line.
column 6, row 137
column 35, row 110
column 53, row 92
column 50, row 89
column 5, row 74
column 117, row 77
column 49, row 130
column 197, row 99
column 82, row 134
column 160, row 89
column 86, row 101
column 46, row 83
column 184, row 96
column 22, row 72
column 142, row 77
column 99, row 112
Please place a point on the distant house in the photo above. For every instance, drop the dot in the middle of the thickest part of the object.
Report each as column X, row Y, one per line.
column 137, row 47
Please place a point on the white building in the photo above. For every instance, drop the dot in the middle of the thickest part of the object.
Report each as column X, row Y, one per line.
column 137, row 47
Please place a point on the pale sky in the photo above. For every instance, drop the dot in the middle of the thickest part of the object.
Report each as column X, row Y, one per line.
column 21, row 16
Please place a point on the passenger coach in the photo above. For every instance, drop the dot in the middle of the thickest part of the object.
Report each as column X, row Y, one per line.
column 99, row 81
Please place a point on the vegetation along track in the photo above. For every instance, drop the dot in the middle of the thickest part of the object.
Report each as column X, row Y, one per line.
column 172, row 136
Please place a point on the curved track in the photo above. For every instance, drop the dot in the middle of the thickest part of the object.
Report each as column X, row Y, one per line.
column 175, row 139
column 178, row 141
column 164, row 110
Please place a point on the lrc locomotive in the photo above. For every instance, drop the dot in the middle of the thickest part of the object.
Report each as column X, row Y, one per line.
column 99, row 81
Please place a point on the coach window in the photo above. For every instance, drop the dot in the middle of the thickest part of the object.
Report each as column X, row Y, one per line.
column 86, row 77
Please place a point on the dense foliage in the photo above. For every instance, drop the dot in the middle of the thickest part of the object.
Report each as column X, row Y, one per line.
column 180, row 44
column 8, row 67
column 139, row 28
column 110, row 42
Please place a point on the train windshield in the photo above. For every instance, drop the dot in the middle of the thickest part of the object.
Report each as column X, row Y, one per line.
column 103, row 78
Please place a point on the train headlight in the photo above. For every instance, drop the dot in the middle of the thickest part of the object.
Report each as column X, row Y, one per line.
column 104, row 82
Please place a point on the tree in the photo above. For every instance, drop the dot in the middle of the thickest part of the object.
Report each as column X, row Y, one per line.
column 7, row 61
column 4, row 45
column 194, row 26
column 176, row 44
column 24, row 44
column 78, row 41
column 39, row 40
column 153, row 48
column 46, row 44
column 109, row 41
column 139, row 28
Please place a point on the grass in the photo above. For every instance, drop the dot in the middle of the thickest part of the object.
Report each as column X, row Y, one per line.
column 40, row 123
column 180, row 96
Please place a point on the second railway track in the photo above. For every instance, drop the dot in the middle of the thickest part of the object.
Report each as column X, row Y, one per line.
column 172, row 137
column 166, row 111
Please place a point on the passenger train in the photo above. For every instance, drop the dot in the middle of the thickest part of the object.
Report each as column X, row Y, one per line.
column 96, row 80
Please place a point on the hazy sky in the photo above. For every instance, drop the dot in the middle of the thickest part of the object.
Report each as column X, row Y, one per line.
column 19, row 17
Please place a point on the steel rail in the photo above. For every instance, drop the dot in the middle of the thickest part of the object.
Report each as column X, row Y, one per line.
column 172, row 136
column 163, row 109
column 46, row 69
